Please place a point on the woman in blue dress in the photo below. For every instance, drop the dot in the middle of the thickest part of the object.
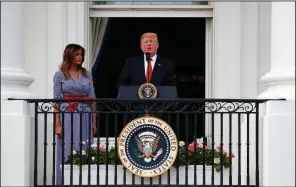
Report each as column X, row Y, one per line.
column 70, row 82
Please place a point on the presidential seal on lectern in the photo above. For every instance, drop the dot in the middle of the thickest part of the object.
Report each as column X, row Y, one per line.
column 147, row 91
column 147, row 146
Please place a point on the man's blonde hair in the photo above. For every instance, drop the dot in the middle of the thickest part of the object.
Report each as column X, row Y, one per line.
column 149, row 34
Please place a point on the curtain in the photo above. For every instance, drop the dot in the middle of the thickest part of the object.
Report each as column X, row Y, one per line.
column 99, row 26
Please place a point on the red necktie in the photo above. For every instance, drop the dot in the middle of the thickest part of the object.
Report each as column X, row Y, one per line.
column 149, row 71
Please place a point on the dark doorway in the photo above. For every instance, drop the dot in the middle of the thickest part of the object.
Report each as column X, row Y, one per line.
column 182, row 40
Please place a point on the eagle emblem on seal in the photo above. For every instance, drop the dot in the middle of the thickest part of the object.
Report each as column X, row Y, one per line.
column 147, row 144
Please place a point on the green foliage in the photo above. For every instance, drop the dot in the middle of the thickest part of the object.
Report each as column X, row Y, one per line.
column 200, row 156
column 93, row 156
column 197, row 156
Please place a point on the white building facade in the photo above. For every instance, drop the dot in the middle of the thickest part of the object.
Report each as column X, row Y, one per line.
column 255, row 40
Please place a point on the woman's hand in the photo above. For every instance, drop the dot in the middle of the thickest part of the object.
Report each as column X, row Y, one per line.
column 94, row 129
column 59, row 130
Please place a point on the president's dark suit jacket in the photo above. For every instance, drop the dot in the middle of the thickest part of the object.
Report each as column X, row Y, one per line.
column 133, row 73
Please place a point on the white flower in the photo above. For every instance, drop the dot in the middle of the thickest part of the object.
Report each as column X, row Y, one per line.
column 94, row 145
column 83, row 153
column 93, row 158
column 74, row 152
column 83, row 142
column 181, row 143
column 112, row 144
column 217, row 160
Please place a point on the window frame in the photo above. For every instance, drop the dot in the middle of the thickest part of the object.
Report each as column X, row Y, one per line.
column 205, row 11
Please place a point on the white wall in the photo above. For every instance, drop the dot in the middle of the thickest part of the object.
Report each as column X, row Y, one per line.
column 241, row 58
column 55, row 25
column 241, row 48
column 264, row 42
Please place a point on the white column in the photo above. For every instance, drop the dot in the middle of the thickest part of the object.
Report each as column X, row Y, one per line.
column 17, row 143
column 16, row 150
column 278, row 128
column 280, row 81
column 278, row 144
column 14, row 80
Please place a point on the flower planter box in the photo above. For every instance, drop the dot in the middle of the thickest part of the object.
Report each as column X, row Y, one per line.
column 120, row 175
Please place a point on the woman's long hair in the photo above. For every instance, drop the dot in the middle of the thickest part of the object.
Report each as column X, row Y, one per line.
column 68, row 57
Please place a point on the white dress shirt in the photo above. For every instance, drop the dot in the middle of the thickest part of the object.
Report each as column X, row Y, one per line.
column 152, row 62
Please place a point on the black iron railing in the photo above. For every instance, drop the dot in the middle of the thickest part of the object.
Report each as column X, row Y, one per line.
column 227, row 152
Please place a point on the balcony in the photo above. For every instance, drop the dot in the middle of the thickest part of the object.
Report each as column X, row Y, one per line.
column 226, row 155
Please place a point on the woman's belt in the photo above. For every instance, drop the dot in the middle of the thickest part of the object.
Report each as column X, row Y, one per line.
column 73, row 105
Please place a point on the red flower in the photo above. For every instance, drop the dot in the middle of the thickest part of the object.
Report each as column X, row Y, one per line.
column 206, row 147
column 232, row 155
column 101, row 149
column 218, row 147
column 191, row 147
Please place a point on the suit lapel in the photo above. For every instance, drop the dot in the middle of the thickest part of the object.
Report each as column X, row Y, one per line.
column 142, row 68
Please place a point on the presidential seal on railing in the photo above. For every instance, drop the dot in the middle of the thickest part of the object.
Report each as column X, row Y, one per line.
column 147, row 91
column 147, row 146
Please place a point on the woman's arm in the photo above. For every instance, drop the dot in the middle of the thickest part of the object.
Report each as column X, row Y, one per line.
column 56, row 114
column 57, row 94
column 91, row 94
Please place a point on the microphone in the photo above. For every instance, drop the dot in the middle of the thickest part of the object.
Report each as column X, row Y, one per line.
column 147, row 56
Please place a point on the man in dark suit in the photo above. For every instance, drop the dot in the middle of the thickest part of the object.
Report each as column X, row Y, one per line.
column 136, row 70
